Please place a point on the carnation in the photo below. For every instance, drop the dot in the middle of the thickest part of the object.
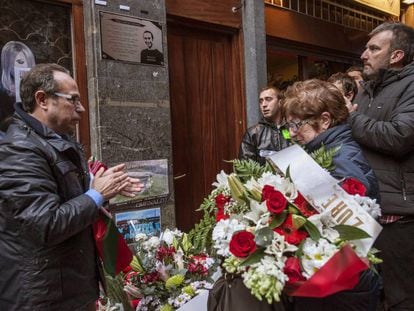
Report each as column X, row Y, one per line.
column 174, row 281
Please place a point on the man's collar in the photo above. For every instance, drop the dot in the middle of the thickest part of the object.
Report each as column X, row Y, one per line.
column 34, row 123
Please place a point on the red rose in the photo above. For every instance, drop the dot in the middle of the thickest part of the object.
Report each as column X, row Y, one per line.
column 242, row 244
column 275, row 200
column 266, row 191
column 292, row 270
column 354, row 186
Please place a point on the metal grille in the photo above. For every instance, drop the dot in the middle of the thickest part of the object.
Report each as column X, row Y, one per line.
column 342, row 12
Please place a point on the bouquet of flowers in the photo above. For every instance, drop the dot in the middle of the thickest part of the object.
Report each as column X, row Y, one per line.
column 166, row 271
column 267, row 233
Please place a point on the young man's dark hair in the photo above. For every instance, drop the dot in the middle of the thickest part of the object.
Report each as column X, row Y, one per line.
column 348, row 85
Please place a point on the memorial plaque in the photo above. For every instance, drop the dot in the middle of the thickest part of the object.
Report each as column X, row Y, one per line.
column 130, row 39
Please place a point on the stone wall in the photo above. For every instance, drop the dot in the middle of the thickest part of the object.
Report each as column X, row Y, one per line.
column 129, row 103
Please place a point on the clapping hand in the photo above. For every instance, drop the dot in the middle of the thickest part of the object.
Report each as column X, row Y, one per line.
column 115, row 181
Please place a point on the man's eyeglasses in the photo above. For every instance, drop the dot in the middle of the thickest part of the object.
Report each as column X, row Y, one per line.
column 74, row 99
column 294, row 126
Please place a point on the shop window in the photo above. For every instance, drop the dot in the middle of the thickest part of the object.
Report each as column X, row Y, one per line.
column 282, row 69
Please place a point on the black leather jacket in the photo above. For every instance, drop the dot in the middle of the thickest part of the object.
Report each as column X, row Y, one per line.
column 262, row 136
column 47, row 258
column 384, row 127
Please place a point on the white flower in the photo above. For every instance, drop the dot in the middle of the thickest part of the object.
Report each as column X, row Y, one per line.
column 222, row 234
column 168, row 236
column 180, row 300
column 257, row 211
column 252, row 184
column 315, row 255
column 266, row 279
column 324, row 222
column 140, row 237
column 209, row 262
column 279, row 246
column 152, row 243
column 162, row 270
column 178, row 259
column 369, row 205
column 221, row 180
column 279, row 183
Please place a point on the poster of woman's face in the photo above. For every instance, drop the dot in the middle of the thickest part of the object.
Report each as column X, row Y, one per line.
column 30, row 32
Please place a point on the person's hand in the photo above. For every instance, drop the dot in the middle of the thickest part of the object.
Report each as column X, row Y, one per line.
column 111, row 182
column 134, row 186
column 351, row 107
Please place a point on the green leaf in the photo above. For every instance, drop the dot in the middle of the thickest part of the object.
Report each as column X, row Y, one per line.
column 325, row 157
column 245, row 169
column 185, row 243
column 299, row 251
column 264, row 237
column 292, row 209
column 312, row 230
column 254, row 258
column 298, row 221
column 278, row 220
column 287, row 174
column 349, row 233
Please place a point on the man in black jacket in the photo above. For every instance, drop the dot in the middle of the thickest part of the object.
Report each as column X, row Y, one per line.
column 269, row 134
column 383, row 124
column 47, row 202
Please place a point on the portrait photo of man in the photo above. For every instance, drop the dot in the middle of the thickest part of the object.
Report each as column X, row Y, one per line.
column 151, row 55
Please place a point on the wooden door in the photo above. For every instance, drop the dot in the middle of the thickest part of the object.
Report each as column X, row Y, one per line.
column 207, row 112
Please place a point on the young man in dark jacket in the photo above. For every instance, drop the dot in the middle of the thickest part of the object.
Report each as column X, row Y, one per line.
column 269, row 134
column 47, row 202
column 382, row 122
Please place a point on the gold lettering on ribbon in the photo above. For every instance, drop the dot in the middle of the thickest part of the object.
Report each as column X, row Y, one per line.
column 341, row 212
column 331, row 199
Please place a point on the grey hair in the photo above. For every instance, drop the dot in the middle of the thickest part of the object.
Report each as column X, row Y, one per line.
column 402, row 39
